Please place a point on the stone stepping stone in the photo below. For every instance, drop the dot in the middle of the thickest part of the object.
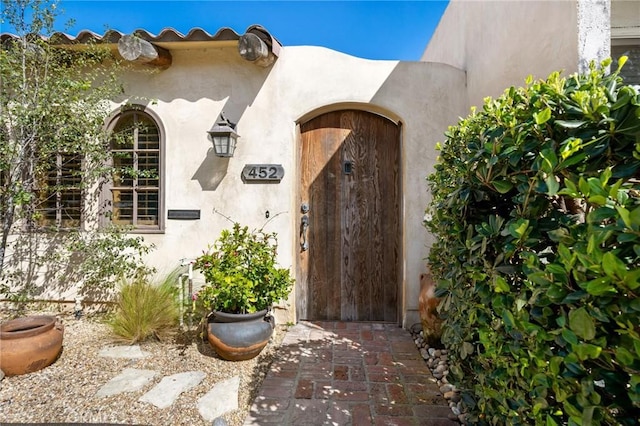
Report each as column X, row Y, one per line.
column 129, row 352
column 130, row 380
column 222, row 398
column 169, row 389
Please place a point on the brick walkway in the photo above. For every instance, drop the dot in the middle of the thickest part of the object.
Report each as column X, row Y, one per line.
column 345, row 373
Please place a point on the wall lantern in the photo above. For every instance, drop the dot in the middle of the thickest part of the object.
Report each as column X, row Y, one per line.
column 224, row 137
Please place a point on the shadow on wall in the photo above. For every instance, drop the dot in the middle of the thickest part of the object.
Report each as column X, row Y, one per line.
column 212, row 171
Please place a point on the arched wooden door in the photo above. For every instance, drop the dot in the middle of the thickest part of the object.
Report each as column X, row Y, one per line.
column 349, row 218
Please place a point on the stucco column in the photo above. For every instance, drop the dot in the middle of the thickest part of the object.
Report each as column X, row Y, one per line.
column 594, row 32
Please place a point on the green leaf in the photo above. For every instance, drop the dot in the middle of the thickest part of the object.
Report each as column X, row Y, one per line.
column 621, row 61
column 571, row 410
column 501, row 285
column 601, row 214
column 572, row 188
column 624, row 96
column 584, row 187
column 587, row 416
column 508, row 319
column 502, row 186
column 554, row 365
column 624, row 215
column 634, row 217
column 569, row 336
column 632, row 279
column 556, row 293
column 598, row 200
column 587, row 351
column 550, row 422
column 624, row 357
column 612, row 266
column 605, row 176
column 600, row 286
column 573, row 159
column 550, row 160
column 518, row 228
column 552, row 185
column 574, row 297
column 581, row 323
column 542, row 116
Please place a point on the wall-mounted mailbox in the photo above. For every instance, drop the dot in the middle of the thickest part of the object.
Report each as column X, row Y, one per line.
column 183, row 214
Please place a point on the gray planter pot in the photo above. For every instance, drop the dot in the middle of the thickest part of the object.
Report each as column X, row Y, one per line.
column 238, row 337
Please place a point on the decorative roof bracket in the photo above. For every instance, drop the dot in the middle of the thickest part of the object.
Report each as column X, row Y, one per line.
column 258, row 46
column 135, row 49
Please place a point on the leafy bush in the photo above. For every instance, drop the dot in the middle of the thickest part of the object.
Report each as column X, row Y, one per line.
column 146, row 310
column 536, row 209
column 101, row 259
column 241, row 272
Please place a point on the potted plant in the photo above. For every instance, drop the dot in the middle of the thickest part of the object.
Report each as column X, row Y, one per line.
column 243, row 281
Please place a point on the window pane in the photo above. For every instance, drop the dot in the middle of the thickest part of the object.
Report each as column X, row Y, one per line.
column 631, row 71
column 148, row 136
column 122, row 212
column 148, row 167
column 148, row 208
column 123, row 168
column 50, row 180
column 70, row 208
column 122, row 136
column 48, row 209
column 70, row 170
column 59, row 192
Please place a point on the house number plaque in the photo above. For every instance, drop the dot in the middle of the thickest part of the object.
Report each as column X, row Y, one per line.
column 263, row 173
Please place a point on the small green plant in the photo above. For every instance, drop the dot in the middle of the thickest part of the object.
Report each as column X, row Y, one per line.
column 241, row 273
column 146, row 310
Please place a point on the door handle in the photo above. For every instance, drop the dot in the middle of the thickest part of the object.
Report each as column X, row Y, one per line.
column 304, row 227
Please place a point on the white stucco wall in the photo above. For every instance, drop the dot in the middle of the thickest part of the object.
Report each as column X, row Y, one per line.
column 500, row 43
column 267, row 104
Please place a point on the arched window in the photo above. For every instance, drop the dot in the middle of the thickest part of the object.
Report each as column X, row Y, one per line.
column 136, row 184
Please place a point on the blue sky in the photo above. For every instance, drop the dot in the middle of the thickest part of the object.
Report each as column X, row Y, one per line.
column 368, row 29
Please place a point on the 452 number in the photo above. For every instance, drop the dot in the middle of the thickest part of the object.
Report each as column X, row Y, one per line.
column 263, row 172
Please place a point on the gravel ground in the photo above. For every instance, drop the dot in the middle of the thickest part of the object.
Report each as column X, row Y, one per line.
column 65, row 391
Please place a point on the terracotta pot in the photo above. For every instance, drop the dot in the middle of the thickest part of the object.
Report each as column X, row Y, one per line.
column 238, row 337
column 29, row 344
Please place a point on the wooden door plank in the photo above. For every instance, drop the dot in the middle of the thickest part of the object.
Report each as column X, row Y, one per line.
column 352, row 231
column 379, row 262
column 389, row 185
column 321, row 143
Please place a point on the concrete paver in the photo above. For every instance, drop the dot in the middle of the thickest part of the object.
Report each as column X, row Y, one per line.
column 169, row 389
column 130, row 380
column 221, row 398
column 348, row 373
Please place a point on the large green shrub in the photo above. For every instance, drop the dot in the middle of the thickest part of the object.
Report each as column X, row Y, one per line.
column 536, row 210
